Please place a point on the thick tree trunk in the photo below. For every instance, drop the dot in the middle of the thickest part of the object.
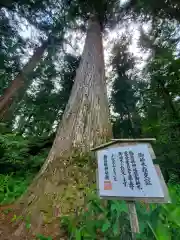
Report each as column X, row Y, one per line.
column 19, row 81
column 85, row 124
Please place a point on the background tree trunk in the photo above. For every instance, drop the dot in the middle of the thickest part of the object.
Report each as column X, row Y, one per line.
column 168, row 100
column 85, row 124
column 19, row 81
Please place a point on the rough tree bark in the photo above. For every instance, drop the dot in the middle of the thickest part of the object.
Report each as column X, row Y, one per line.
column 85, row 124
column 19, row 81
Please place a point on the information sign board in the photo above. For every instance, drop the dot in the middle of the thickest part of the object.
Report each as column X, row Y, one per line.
column 128, row 171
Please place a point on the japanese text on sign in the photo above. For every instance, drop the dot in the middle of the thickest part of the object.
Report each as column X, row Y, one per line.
column 128, row 171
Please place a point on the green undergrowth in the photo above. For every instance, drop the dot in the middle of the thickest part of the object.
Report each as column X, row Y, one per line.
column 97, row 218
column 20, row 160
column 12, row 187
column 41, row 237
column 21, row 156
column 102, row 219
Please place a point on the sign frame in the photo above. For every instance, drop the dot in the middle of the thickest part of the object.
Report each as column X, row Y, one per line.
column 131, row 200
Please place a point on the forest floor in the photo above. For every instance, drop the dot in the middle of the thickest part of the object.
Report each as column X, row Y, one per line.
column 8, row 225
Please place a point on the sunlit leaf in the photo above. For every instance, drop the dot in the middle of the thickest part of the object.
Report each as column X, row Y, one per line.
column 106, row 226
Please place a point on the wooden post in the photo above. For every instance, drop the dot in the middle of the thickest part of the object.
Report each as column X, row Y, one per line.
column 133, row 219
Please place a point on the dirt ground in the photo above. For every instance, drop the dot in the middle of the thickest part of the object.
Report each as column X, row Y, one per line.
column 8, row 226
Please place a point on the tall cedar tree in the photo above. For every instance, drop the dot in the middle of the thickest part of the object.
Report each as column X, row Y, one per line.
column 162, row 46
column 169, row 9
column 160, row 100
column 123, row 96
column 85, row 122
column 19, row 81
column 52, row 31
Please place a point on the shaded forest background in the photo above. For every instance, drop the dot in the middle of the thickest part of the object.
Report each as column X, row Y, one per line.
column 143, row 79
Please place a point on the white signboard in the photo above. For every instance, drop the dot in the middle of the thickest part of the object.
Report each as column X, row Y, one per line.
column 128, row 171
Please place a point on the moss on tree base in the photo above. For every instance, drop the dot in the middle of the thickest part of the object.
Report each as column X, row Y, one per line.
column 59, row 191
